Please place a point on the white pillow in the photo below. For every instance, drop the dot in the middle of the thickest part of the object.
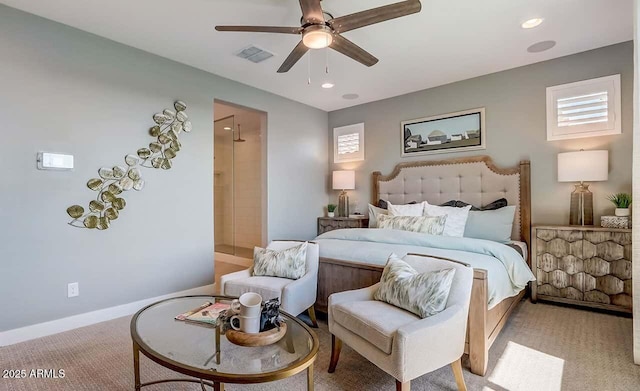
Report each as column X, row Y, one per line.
column 374, row 212
column 405, row 210
column 456, row 217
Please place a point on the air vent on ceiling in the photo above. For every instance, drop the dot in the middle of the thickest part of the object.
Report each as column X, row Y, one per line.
column 254, row 54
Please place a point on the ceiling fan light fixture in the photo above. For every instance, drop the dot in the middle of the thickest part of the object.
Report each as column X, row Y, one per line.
column 327, row 85
column 317, row 37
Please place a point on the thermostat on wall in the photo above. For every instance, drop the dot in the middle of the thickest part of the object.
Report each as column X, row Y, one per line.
column 54, row 161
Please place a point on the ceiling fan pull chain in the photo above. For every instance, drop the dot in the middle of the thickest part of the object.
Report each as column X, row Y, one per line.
column 326, row 60
column 309, row 69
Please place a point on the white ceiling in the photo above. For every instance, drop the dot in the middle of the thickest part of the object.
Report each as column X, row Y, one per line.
column 446, row 42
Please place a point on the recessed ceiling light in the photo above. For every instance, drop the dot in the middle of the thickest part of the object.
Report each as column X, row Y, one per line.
column 227, row 128
column 531, row 23
column 327, row 85
column 350, row 96
column 541, row 46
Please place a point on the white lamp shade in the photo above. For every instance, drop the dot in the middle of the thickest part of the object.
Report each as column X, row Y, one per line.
column 583, row 166
column 344, row 180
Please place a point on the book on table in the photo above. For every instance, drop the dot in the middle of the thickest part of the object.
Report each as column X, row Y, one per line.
column 208, row 313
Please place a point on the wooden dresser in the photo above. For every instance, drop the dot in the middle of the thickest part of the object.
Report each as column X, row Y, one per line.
column 587, row 266
column 326, row 224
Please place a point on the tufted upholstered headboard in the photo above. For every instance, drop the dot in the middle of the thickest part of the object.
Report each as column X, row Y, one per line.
column 475, row 180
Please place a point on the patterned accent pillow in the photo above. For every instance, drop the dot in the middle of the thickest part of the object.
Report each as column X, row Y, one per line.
column 456, row 217
column 424, row 294
column 423, row 224
column 289, row 263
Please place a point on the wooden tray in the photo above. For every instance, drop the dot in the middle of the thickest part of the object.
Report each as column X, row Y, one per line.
column 260, row 339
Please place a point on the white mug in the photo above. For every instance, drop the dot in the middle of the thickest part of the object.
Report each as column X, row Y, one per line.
column 249, row 305
column 246, row 324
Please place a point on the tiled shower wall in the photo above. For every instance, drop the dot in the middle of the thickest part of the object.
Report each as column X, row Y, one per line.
column 223, row 190
column 238, row 185
column 248, row 190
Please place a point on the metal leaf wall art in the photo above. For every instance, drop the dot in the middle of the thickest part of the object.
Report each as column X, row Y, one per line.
column 112, row 182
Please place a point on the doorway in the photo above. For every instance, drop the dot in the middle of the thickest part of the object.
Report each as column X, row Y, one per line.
column 238, row 180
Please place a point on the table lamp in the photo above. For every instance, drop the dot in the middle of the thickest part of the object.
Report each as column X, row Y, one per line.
column 344, row 180
column 582, row 166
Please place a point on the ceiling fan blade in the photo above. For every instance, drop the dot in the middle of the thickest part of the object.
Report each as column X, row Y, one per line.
column 312, row 11
column 261, row 29
column 293, row 58
column 350, row 49
column 375, row 15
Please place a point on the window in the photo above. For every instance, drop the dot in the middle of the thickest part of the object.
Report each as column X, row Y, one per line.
column 584, row 109
column 348, row 143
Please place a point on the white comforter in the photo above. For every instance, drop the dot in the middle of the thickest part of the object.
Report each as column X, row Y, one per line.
column 508, row 273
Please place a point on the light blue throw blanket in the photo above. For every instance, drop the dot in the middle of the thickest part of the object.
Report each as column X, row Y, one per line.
column 508, row 273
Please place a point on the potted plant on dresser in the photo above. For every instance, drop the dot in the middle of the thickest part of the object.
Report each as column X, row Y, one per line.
column 331, row 208
column 622, row 201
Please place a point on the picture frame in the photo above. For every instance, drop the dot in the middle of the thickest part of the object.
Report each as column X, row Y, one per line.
column 445, row 133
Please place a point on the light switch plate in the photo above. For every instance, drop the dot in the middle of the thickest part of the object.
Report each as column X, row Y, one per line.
column 54, row 161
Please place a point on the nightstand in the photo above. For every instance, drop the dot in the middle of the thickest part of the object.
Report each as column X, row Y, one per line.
column 587, row 266
column 326, row 224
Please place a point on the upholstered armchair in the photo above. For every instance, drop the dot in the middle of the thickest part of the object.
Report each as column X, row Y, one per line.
column 397, row 341
column 295, row 296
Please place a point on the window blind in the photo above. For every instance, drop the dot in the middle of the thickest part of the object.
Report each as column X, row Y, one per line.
column 583, row 109
column 348, row 143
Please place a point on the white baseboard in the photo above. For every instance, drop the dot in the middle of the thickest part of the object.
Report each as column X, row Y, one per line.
column 26, row 333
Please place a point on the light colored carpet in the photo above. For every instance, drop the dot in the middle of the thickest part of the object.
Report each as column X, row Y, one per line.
column 543, row 347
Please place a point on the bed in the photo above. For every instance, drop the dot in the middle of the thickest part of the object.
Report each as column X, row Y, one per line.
column 354, row 258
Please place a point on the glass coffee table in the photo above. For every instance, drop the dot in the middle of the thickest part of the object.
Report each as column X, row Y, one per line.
column 206, row 355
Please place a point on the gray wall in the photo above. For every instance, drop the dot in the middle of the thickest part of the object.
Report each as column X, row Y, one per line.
column 64, row 90
column 516, row 127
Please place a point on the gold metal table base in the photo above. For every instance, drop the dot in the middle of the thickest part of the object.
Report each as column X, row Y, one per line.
column 217, row 386
column 310, row 377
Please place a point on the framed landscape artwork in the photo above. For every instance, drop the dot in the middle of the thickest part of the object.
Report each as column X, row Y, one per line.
column 452, row 132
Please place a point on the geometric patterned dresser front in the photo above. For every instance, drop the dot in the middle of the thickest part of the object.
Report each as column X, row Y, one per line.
column 588, row 266
column 326, row 224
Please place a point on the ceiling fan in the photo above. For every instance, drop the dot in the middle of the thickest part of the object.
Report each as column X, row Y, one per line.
column 320, row 29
